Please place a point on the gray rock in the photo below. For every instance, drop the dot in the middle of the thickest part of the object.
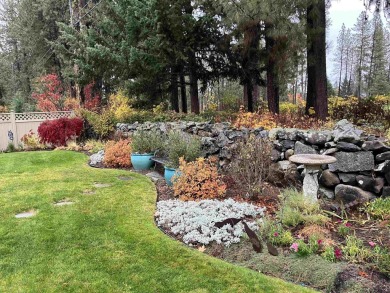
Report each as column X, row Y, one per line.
column 223, row 140
column 287, row 144
column 353, row 162
column 225, row 153
column 330, row 151
column 347, row 146
column 381, row 167
column 386, row 191
column 288, row 154
column 326, row 193
column 287, row 133
column 315, row 137
column 275, row 155
column 278, row 146
column 346, row 131
column 348, row 178
column 386, row 171
column 383, row 157
column 347, row 194
column 96, row 159
column 301, row 148
column 375, row 146
column 209, row 145
column 329, row 179
column 330, row 144
column 286, row 166
column 370, row 184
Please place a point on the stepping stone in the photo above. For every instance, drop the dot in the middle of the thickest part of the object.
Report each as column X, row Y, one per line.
column 88, row 192
column 102, row 185
column 125, row 178
column 63, row 203
column 28, row 214
column 154, row 176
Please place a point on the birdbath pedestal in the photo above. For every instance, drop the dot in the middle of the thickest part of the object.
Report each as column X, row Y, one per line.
column 312, row 164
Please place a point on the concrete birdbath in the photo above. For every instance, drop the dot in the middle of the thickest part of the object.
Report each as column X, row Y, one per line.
column 312, row 165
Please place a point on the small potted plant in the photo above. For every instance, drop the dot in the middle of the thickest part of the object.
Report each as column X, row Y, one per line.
column 144, row 146
column 180, row 145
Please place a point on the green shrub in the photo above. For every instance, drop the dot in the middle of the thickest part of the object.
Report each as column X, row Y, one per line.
column 303, row 249
column 144, row 142
column 354, row 250
column 93, row 145
column 381, row 259
column 181, row 145
column 379, row 208
column 102, row 124
column 275, row 233
column 329, row 254
column 297, row 209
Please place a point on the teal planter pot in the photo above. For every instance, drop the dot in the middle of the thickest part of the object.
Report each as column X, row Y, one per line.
column 142, row 161
column 168, row 174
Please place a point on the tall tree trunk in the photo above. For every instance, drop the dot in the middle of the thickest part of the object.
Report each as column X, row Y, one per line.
column 174, row 90
column 250, row 61
column 272, row 80
column 194, row 92
column 317, row 81
column 183, row 92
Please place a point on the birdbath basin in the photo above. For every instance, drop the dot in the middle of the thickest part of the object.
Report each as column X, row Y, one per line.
column 312, row 165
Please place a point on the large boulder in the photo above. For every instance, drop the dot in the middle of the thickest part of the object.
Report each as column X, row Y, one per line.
column 347, row 194
column 353, row 162
column 301, row 148
column 329, row 179
column 375, row 146
column 287, row 133
column 370, row 184
column 386, row 191
column 346, row 131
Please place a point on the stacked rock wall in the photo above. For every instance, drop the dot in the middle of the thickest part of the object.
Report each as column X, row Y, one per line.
column 362, row 170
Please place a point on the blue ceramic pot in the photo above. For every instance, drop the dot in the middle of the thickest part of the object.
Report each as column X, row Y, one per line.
column 142, row 161
column 168, row 174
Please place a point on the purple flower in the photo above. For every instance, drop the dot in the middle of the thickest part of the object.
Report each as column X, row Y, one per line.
column 294, row 247
column 319, row 242
column 348, row 224
column 372, row 244
column 276, row 234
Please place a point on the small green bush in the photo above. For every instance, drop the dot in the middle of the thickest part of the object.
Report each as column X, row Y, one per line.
column 354, row 250
column 275, row 233
column 181, row 145
column 328, row 254
column 144, row 142
column 296, row 209
column 102, row 124
column 379, row 208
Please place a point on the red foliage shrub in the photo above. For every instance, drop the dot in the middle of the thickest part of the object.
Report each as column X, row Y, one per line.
column 48, row 93
column 58, row 132
column 92, row 99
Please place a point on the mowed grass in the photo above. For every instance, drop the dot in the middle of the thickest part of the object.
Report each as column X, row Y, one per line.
column 104, row 242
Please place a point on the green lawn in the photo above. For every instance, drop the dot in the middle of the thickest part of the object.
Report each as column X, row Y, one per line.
column 105, row 242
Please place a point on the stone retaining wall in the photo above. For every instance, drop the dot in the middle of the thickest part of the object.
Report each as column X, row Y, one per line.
column 362, row 170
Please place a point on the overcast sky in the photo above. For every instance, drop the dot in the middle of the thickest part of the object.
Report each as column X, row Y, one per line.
column 341, row 11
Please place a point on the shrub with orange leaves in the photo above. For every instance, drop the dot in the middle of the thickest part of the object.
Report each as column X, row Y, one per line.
column 255, row 120
column 117, row 154
column 199, row 180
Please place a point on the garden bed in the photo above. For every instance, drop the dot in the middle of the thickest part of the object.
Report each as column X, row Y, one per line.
column 312, row 271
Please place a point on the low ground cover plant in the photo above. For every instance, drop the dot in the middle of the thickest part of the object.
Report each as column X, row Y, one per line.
column 195, row 221
column 31, row 141
column 379, row 208
column 58, row 132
